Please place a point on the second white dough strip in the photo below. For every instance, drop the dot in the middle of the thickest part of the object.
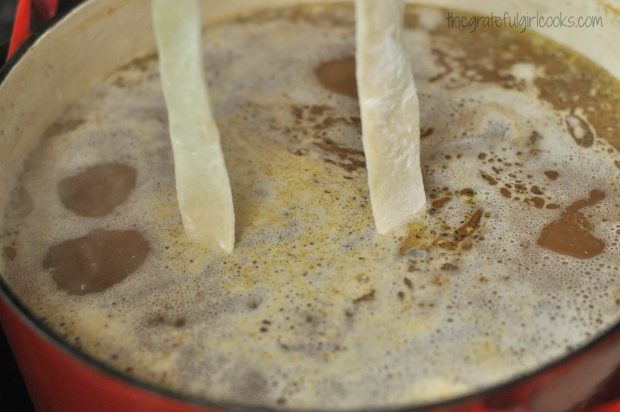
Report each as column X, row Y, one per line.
column 390, row 114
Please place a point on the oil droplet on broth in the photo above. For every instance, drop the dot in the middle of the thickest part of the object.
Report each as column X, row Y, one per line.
column 97, row 261
column 338, row 76
column 571, row 234
column 422, row 238
column 551, row 174
column 9, row 252
column 580, row 131
column 96, row 191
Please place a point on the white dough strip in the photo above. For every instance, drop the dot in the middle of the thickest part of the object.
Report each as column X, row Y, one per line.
column 390, row 114
column 202, row 183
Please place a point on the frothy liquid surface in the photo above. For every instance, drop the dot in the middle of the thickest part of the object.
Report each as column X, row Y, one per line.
column 515, row 263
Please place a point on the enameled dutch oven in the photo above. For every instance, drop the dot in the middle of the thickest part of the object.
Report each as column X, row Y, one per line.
column 80, row 49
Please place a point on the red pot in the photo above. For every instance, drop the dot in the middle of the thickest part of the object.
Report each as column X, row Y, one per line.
column 77, row 52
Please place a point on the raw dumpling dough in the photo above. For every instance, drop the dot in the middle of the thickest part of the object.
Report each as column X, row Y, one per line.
column 203, row 187
column 390, row 114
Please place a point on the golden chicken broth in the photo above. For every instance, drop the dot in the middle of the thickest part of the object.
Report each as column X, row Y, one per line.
column 514, row 264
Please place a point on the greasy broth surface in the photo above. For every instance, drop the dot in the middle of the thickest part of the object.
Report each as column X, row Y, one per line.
column 515, row 263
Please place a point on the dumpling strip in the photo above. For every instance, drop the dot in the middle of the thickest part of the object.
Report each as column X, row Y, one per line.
column 390, row 114
column 203, row 187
